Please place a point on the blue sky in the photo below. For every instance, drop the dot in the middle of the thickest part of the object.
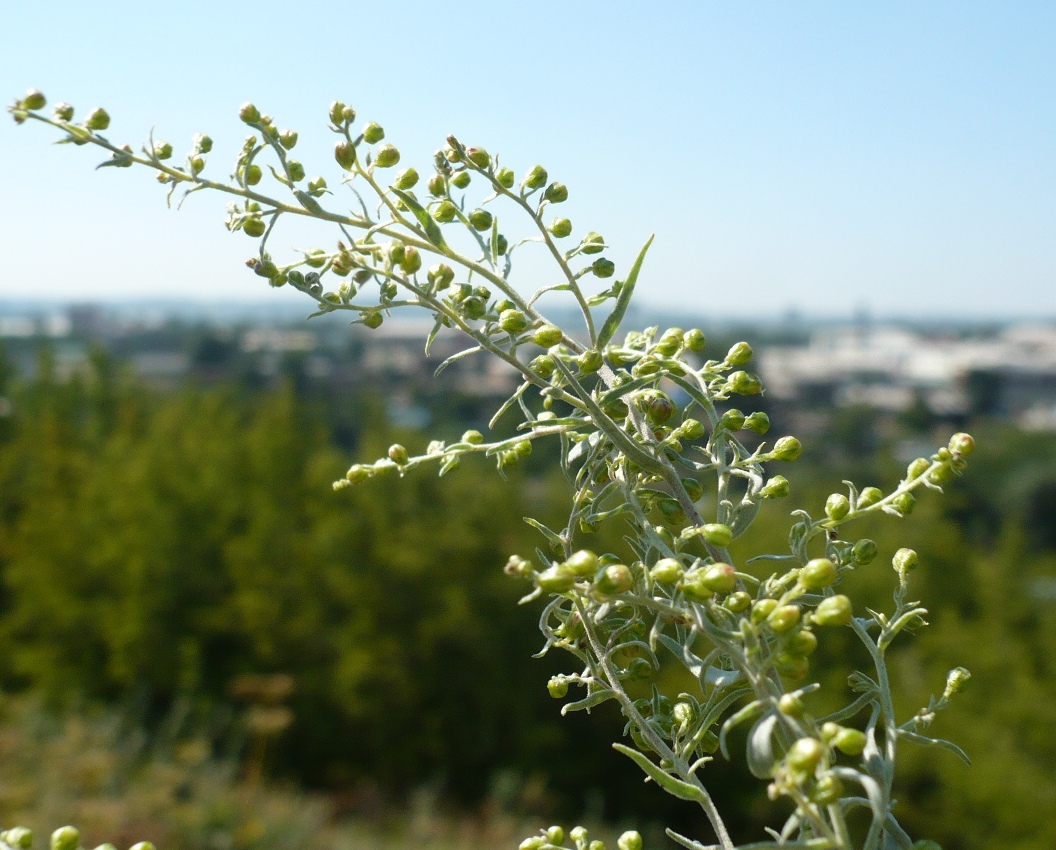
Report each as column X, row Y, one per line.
column 822, row 157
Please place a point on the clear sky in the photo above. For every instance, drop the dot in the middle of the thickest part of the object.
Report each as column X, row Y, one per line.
column 818, row 156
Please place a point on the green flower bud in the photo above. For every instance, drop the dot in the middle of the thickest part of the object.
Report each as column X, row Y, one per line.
column 18, row 837
column 757, row 422
column 461, row 180
column 505, row 178
column 543, row 366
column 615, row 579
column 582, row 564
column 474, row 438
column 744, row 383
column 791, row 705
column 556, row 193
column 357, row 473
column 717, row 534
column 373, row 133
column 666, row 571
column 904, row 502
column 34, row 99
column 630, row 840
column 254, row 227
column 479, row 157
column 440, row 276
column 962, row 444
column 445, row 211
column 63, row 112
column 827, row 790
column 693, row 489
column 513, row 321
column 437, row 185
column 97, row 119
column 197, row 164
column 412, row 260
column 720, row 578
column 956, row 681
column 373, row 319
column 669, row 343
column 555, row 835
column 739, row 354
column 694, row 340
column 787, row 449
column 535, row 178
column 557, row 686
column 560, row 227
column 317, row 185
column 249, row 113
column 732, row 420
column 818, row 573
column 837, row 506
column 589, row 361
column 555, row 579
column 474, row 307
column 406, row 179
column 784, row 618
column 833, row 611
column 387, row 156
column 536, row 842
column 345, row 154
column 692, row 429
column 762, row 609
column 803, row 642
column 805, row 755
column 398, row 454
column 637, row 669
column 253, row 175
column 941, row 474
column 337, row 109
column 547, row 335
column 869, row 496
column 904, row 560
column 850, row 742
column 694, row 588
column 864, row 552
column 917, row 468
column 480, row 219
column 592, row 243
column 603, row 268
column 501, row 245
column 143, row 845
column 738, row 601
column 65, row 838
column 396, row 251
column 656, row 405
column 162, row 150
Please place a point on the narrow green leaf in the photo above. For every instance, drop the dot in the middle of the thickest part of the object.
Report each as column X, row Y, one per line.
column 673, row 786
column 612, row 323
column 429, row 225
column 596, row 698
column 552, row 536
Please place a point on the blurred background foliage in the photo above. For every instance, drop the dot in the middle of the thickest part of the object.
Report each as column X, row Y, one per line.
column 202, row 644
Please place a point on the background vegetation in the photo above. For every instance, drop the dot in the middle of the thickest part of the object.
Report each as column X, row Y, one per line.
column 185, row 597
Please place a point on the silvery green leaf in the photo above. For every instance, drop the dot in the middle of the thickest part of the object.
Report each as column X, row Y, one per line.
column 612, row 323
column 588, row 702
column 761, row 758
column 749, row 712
column 870, row 785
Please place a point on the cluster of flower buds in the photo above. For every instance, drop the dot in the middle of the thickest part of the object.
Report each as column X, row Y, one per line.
column 63, row 838
column 555, row 838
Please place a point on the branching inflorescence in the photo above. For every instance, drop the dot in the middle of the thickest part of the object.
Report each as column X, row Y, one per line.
column 648, row 437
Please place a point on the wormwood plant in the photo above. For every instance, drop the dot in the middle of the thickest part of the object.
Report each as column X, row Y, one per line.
column 649, row 439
